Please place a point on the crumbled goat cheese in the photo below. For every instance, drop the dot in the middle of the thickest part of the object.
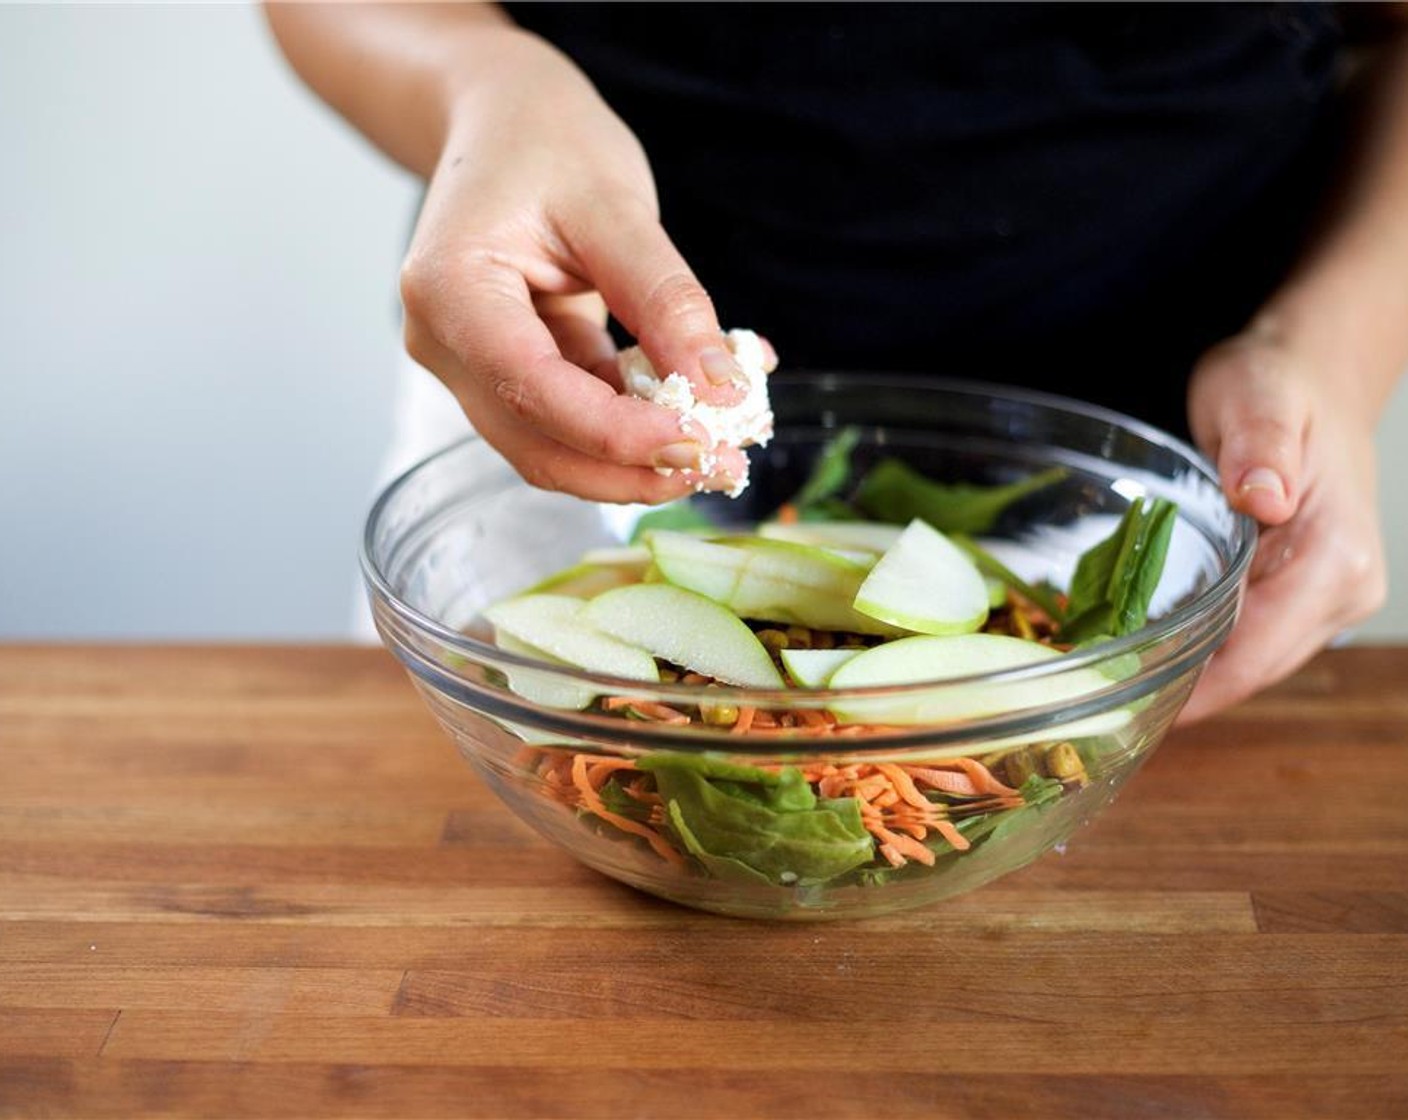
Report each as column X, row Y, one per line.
column 748, row 422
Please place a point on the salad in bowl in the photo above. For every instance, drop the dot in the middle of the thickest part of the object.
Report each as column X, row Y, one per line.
column 924, row 647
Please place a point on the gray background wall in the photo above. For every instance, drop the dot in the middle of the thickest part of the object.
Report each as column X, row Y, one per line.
column 198, row 334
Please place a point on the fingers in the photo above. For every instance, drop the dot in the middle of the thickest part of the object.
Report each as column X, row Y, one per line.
column 1291, row 454
column 503, row 363
column 1249, row 415
column 552, row 466
column 652, row 291
column 578, row 326
column 1310, row 583
column 1272, row 638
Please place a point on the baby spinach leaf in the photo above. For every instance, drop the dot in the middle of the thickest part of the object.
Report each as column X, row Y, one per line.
column 725, row 868
column 711, row 766
column 783, row 789
column 894, row 491
column 797, row 846
column 1115, row 580
column 789, row 795
column 1040, row 790
column 618, row 801
column 830, row 472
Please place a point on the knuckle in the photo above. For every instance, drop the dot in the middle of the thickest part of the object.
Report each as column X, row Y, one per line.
column 419, row 343
column 429, row 275
column 679, row 300
column 539, row 475
column 612, row 444
column 514, row 394
column 1270, row 438
column 1366, row 573
column 419, row 280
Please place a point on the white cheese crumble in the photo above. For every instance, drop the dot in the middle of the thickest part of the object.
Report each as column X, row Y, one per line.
column 747, row 422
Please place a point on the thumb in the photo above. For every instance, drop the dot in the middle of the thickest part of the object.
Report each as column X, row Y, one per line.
column 1248, row 416
column 650, row 289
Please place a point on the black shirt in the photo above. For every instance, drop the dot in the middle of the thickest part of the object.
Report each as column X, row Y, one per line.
column 1076, row 197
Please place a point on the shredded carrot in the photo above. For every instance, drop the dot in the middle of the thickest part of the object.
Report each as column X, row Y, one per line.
column 901, row 846
column 981, row 776
column 946, row 781
column 952, row 835
column 662, row 712
column 894, row 806
column 600, row 769
column 787, row 514
column 903, row 784
column 592, row 800
column 647, row 709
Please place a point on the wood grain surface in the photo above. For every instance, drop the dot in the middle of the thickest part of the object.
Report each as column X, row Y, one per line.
column 260, row 882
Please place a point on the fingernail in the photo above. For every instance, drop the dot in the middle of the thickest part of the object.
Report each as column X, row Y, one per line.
column 719, row 367
column 679, row 456
column 1262, row 478
column 769, row 357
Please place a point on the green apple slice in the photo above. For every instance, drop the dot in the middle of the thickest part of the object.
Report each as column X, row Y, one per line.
column 686, row 629
column 812, row 668
column 775, row 581
column 925, row 583
column 588, row 578
column 554, row 625
column 859, row 558
column 928, row 658
column 871, row 536
column 997, row 592
column 542, row 688
column 622, row 555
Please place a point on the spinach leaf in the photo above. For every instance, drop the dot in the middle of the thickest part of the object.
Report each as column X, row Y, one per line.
column 784, row 790
column 1040, row 790
column 618, row 801
column 797, row 846
column 790, row 795
column 1115, row 580
column 894, row 491
column 830, row 472
column 712, row 766
column 720, row 867
column 679, row 516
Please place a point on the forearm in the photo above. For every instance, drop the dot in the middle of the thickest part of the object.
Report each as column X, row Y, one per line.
column 1344, row 308
column 395, row 71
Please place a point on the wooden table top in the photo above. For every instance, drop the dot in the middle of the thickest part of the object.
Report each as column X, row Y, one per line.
column 255, row 881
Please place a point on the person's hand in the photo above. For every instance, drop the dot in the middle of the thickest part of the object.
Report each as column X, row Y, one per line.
column 1294, row 449
column 540, row 215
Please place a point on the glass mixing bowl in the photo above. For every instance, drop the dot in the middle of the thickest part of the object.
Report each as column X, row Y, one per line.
column 462, row 531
